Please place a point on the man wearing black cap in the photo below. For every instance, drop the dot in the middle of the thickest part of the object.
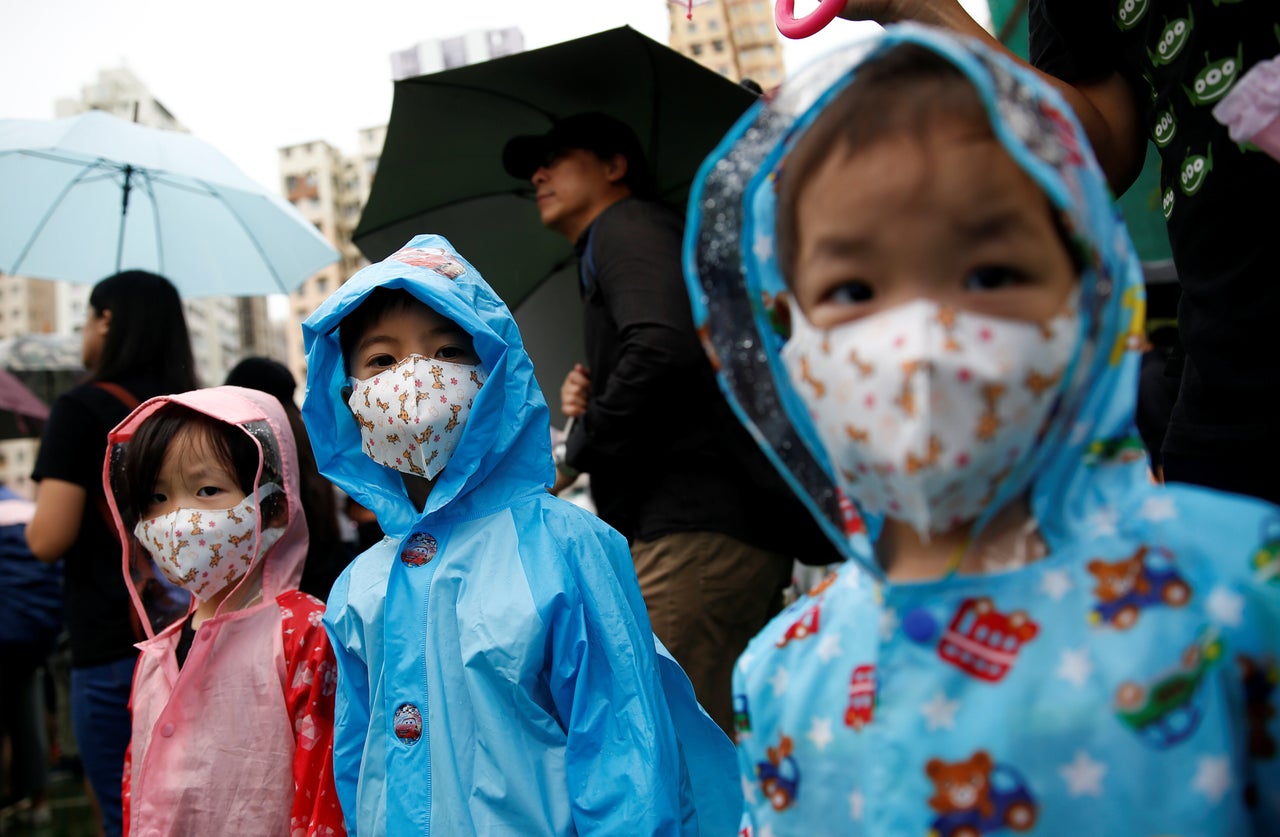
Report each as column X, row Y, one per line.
column 670, row 467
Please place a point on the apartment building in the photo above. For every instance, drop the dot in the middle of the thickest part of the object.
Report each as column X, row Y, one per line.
column 330, row 188
column 736, row 38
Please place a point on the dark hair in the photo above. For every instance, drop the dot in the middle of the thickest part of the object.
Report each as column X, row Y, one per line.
column 905, row 90
column 228, row 444
column 378, row 304
column 148, row 332
column 265, row 375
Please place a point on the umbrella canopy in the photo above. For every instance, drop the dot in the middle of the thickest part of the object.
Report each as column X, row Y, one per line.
column 21, row 412
column 441, row 167
column 89, row 195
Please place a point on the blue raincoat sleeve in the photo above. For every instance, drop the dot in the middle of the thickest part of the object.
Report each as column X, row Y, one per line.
column 623, row 766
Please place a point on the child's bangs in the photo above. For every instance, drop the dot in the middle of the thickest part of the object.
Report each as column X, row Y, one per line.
column 189, row 434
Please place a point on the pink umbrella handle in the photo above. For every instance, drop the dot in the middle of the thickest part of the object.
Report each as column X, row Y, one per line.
column 784, row 14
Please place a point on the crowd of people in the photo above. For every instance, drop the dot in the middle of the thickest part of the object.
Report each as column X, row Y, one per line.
column 900, row 338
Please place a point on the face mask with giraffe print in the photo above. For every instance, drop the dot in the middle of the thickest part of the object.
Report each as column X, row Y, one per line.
column 923, row 410
column 204, row 550
column 411, row 415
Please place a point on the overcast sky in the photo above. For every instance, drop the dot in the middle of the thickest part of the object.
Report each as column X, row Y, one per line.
column 250, row 76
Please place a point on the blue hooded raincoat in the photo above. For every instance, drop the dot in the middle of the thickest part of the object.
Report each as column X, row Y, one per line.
column 509, row 683
column 1123, row 685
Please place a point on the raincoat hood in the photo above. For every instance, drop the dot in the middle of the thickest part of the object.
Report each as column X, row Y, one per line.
column 734, row 279
column 505, row 449
column 261, row 417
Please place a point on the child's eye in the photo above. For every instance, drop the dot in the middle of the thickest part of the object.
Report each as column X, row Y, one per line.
column 851, row 293
column 208, row 491
column 991, row 278
column 381, row 361
column 453, row 353
column 156, row 499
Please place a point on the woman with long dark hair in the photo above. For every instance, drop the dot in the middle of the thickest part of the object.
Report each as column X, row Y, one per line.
column 136, row 346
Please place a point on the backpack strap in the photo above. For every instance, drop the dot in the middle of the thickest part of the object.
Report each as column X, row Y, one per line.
column 122, row 395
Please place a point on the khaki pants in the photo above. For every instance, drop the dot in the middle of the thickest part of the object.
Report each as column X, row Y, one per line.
column 707, row 595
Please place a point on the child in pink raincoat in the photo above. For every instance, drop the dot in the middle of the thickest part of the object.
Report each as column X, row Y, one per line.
column 232, row 705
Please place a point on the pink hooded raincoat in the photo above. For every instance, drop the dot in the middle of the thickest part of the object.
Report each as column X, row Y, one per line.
column 240, row 739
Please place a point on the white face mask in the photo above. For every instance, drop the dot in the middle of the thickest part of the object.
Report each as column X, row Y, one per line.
column 412, row 414
column 924, row 410
column 204, row 550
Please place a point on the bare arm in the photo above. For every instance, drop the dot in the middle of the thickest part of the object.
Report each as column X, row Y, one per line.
column 1106, row 108
column 59, row 508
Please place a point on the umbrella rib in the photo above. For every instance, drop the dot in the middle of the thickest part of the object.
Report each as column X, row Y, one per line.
column 149, row 186
column 472, row 88
column 53, row 207
column 253, row 239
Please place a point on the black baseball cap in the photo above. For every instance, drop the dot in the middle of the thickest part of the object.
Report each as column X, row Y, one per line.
column 598, row 133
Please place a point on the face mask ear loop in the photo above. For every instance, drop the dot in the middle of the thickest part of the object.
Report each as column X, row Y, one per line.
column 957, row 557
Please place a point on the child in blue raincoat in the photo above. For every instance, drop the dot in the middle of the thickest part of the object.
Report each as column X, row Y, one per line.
column 929, row 316
column 496, row 669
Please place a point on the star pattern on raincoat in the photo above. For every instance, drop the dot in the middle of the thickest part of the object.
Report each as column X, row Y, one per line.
column 829, row 647
column 1055, row 584
column 940, row 712
column 779, row 681
column 1105, row 521
column 855, row 805
column 820, row 732
column 1156, row 509
column 763, row 247
column 1074, row 666
column 1083, row 775
column 1213, row 777
column 1226, row 606
column 888, row 624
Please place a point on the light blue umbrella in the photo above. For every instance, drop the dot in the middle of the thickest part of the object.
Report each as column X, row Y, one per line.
column 86, row 196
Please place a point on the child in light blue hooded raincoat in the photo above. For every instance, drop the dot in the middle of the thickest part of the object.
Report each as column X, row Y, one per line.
column 496, row 669
column 1106, row 666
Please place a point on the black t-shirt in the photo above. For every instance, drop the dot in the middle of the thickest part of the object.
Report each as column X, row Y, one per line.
column 72, row 449
column 1220, row 199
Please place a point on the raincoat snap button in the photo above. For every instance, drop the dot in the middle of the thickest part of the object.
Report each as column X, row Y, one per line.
column 408, row 723
column 419, row 549
column 167, row 730
column 919, row 625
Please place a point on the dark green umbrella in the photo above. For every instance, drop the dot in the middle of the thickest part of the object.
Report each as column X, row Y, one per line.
column 441, row 168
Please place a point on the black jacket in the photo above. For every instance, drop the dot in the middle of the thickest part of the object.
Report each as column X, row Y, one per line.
column 663, row 449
